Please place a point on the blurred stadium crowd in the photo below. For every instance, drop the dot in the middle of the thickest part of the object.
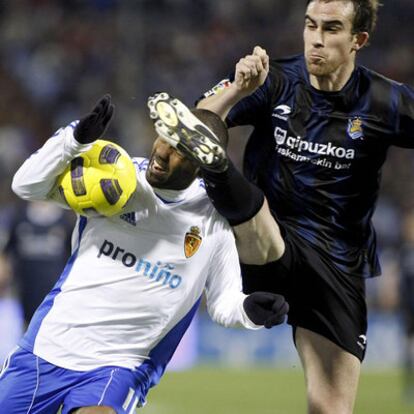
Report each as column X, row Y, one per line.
column 57, row 57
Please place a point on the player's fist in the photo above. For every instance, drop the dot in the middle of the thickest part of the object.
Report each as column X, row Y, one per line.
column 265, row 308
column 93, row 125
column 252, row 71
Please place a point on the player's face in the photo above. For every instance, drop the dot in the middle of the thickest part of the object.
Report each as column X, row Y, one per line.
column 329, row 43
column 168, row 168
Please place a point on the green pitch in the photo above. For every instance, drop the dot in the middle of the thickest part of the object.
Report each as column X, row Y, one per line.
column 210, row 390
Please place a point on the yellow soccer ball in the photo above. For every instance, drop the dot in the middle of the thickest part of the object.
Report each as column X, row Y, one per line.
column 100, row 181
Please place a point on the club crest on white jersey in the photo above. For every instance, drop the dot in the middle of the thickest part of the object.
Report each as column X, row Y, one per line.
column 192, row 241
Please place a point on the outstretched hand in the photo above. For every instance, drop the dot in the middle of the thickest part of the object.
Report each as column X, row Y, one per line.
column 252, row 71
column 265, row 308
column 93, row 125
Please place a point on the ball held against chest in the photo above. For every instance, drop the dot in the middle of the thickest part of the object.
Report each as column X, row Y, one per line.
column 100, row 181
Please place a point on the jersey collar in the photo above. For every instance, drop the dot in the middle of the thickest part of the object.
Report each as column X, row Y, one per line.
column 175, row 196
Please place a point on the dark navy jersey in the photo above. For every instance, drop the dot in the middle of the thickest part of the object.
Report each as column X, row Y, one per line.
column 318, row 155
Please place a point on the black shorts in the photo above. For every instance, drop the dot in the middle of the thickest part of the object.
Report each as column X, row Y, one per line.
column 321, row 298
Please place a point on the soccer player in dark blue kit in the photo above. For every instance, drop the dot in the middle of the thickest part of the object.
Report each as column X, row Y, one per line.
column 302, row 220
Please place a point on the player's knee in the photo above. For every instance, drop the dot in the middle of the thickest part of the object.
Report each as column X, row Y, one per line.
column 323, row 404
column 94, row 410
column 317, row 406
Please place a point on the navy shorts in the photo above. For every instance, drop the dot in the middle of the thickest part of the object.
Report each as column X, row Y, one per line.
column 321, row 298
column 31, row 385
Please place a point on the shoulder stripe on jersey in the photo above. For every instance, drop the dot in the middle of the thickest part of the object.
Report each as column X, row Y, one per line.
column 28, row 340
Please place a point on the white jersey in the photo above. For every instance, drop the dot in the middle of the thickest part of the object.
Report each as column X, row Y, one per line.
column 130, row 289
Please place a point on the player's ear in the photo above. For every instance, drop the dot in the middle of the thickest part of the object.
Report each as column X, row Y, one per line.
column 360, row 40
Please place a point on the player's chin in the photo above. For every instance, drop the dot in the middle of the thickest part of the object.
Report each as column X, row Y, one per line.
column 157, row 178
column 318, row 69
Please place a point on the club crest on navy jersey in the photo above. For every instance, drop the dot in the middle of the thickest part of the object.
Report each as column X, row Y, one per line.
column 355, row 128
column 192, row 241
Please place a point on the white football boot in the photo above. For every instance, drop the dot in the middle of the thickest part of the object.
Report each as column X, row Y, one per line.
column 175, row 123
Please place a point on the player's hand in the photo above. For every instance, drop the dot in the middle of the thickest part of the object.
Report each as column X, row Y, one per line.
column 252, row 71
column 93, row 125
column 265, row 308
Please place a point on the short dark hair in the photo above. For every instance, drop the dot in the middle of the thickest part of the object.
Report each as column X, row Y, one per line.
column 214, row 122
column 365, row 18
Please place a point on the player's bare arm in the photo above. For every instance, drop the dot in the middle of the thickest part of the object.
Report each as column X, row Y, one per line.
column 250, row 73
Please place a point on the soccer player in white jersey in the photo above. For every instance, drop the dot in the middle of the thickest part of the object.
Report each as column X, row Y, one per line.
column 104, row 334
